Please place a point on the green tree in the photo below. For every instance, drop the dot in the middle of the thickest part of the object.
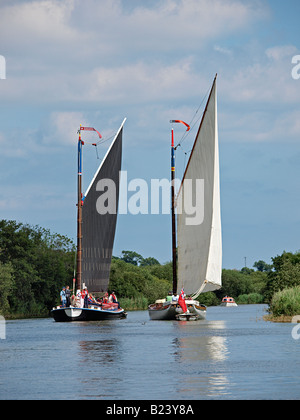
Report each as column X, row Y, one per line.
column 131, row 257
column 149, row 261
column 286, row 273
column 6, row 286
column 263, row 266
column 41, row 263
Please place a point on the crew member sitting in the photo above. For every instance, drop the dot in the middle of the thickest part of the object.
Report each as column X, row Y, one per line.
column 113, row 299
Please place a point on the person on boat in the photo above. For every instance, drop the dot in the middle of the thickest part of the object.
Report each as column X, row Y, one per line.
column 79, row 299
column 68, row 296
column 85, row 295
column 113, row 298
column 63, row 297
column 92, row 300
column 73, row 301
column 169, row 298
column 181, row 301
column 105, row 298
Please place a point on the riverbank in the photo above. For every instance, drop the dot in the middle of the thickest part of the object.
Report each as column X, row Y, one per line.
column 284, row 305
column 281, row 318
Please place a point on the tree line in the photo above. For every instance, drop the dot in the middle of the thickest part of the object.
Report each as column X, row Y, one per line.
column 35, row 264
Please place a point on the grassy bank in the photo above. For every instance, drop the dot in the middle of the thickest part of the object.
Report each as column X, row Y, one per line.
column 281, row 318
column 134, row 304
column 284, row 305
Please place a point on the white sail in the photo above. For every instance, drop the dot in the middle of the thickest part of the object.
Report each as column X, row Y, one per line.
column 199, row 235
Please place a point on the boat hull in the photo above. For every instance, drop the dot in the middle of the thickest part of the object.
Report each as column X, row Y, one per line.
column 228, row 304
column 187, row 317
column 86, row 314
column 173, row 312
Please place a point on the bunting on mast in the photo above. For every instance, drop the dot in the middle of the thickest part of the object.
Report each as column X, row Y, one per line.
column 91, row 129
column 182, row 122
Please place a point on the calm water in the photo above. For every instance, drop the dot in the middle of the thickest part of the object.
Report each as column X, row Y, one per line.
column 234, row 354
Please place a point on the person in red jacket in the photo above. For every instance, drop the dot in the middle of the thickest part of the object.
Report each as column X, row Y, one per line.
column 181, row 301
column 113, row 299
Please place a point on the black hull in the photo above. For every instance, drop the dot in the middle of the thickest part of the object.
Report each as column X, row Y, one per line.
column 85, row 314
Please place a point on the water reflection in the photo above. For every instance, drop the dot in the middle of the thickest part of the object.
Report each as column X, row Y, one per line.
column 201, row 348
column 98, row 352
column 201, row 352
column 99, row 361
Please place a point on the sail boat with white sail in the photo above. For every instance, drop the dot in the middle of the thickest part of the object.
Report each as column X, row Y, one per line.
column 199, row 241
column 95, row 237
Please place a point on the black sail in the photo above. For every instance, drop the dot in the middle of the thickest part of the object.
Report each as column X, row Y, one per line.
column 99, row 218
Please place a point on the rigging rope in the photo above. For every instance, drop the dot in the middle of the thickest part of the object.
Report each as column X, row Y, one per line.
column 191, row 124
column 188, row 131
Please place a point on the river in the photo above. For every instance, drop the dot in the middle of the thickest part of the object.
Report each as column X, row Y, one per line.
column 234, row 354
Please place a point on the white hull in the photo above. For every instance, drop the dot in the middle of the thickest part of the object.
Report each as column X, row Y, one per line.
column 228, row 304
column 172, row 311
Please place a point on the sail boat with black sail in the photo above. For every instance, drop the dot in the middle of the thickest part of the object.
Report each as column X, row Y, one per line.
column 199, row 238
column 95, row 237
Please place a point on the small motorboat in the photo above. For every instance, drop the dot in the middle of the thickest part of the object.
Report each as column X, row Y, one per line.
column 228, row 301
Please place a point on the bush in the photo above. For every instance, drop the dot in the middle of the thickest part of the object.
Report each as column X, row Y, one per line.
column 251, row 298
column 286, row 302
column 133, row 304
column 208, row 299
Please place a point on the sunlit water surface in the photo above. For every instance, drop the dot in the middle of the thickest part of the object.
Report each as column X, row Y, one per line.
column 234, row 354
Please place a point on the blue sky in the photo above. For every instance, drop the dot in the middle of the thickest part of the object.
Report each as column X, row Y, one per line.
column 96, row 62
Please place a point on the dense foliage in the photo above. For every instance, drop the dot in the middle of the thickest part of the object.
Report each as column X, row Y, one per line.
column 286, row 302
column 140, row 285
column 35, row 264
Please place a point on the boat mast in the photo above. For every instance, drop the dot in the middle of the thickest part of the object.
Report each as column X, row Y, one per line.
column 80, row 204
column 174, row 259
column 173, row 215
column 79, row 213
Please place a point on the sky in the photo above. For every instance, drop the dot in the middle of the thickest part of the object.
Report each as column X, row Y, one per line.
column 95, row 62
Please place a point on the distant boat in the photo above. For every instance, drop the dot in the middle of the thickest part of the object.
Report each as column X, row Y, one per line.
column 199, row 245
column 95, row 238
column 228, row 301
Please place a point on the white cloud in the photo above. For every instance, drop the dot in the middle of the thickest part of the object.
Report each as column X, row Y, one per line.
column 107, row 52
column 223, row 50
column 62, row 127
column 281, row 52
column 141, row 82
column 34, row 23
column 264, row 80
column 92, row 31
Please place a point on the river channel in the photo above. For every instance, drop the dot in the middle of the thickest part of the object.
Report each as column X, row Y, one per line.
column 234, row 354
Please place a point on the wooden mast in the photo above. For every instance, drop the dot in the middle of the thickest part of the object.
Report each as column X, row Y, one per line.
column 79, row 215
column 173, row 215
column 174, row 254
